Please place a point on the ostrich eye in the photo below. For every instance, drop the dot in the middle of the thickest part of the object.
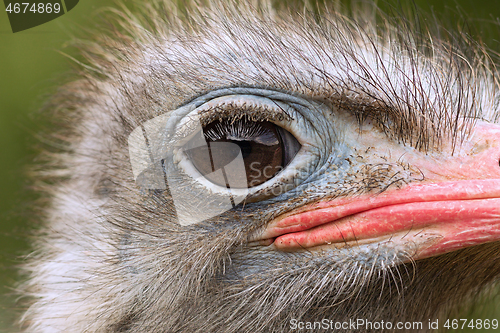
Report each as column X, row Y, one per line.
column 265, row 148
column 225, row 148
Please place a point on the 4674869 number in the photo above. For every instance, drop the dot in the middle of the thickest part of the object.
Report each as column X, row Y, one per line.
column 487, row 324
column 40, row 8
column 26, row 14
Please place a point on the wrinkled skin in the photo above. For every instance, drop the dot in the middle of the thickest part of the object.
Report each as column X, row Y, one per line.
column 379, row 123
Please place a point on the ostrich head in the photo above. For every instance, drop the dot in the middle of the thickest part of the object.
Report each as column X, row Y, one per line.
column 246, row 169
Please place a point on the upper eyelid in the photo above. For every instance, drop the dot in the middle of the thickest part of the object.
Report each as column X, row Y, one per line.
column 271, row 93
column 256, row 112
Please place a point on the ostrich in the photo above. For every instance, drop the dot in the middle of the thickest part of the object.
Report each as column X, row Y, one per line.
column 247, row 169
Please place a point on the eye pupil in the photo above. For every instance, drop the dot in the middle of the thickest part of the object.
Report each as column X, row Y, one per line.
column 246, row 148
column 265, row 148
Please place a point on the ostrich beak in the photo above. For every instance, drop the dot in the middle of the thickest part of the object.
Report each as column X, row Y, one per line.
column 457, row 205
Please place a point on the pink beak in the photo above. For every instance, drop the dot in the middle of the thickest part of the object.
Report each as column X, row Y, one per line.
column 456, row 205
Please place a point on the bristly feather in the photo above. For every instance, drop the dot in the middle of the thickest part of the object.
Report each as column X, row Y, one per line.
column 111, row 260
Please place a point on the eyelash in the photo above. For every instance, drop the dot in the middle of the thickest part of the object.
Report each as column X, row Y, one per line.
column 231, row 112
column 234, row 129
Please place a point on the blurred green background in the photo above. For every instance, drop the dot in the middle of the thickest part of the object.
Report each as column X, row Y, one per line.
column 31, row 68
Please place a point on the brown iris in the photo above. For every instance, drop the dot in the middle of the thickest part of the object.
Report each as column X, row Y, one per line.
column 265, row 150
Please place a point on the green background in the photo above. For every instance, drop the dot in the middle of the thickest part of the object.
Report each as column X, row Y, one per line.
column 31, row 68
